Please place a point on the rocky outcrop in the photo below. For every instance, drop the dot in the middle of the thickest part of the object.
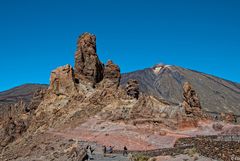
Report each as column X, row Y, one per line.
column 13, row 129
column 62, row 81
column 38, row 97
column 132, row 88
column 88, row 67
column 111, row 75
column 191, row 101
column 228, row 117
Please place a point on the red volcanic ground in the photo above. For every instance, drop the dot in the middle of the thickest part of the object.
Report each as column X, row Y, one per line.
column 138, row 137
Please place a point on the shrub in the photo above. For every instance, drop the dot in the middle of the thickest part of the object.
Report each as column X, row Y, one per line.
column 140, row 157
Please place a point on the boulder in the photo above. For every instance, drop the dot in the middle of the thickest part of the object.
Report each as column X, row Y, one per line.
column 217, row 126
column 88, row 67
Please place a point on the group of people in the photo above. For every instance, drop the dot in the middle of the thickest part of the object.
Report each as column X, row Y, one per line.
column 110, row 150
column 107, row 150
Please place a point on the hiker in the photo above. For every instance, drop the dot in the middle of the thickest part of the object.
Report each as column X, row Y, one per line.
column 89, row 152
column 125, row 151
column 104, row 150
column 92, row 150
column 111, row 149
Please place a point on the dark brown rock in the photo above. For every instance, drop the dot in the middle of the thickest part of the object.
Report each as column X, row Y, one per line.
column 191, row 101
column 87, row 64
column 132, row 88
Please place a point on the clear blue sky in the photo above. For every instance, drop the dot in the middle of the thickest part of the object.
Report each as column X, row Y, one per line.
column 36, row 36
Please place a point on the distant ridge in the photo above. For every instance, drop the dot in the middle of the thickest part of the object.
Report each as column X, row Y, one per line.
column 23, row 92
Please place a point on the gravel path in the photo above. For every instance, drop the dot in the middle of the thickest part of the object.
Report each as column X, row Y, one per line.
column 98, row 155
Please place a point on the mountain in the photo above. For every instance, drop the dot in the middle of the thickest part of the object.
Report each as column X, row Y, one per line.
column 86, row 105
column 23, row 92
column 164, row 81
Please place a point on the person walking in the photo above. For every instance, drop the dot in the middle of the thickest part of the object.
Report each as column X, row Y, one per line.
column 125, row 151
column 104, row 150
column 89, row 152
column 110, row 149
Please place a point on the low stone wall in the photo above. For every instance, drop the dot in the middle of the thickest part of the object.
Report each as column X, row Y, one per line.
column 223, row 147
column 225, row 150
column 226, row 147
column 159, row 152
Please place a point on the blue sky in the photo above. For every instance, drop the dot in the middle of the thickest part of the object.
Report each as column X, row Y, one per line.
column 36, row 36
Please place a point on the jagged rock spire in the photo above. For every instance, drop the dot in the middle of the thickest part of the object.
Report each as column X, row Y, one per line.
column 191, row 101
column 112, row 72
column 87, row 64
column 132, row 88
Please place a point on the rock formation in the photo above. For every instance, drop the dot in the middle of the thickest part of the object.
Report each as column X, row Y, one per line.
column 38, row 97
column 62, row 81
column 228, row 117
column 132, row 88
column 191, row 101
column 87, row 64
column 90, row 90
column 111, row 75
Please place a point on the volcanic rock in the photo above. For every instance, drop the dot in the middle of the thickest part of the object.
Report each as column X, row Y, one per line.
column 12, row 129
column 111, row 75
column 62, row 81
column 38, row 97
column 88, row 67
column 191, row 101
column 228, row 117
column 217, row 126
column 132, row 88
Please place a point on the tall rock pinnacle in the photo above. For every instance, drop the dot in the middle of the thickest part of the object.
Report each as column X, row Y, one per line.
column 88, row 67
column 191, row 101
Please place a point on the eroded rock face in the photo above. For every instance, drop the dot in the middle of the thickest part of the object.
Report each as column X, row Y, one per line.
column 13, row 129
column 228, row 117
column 191, row 101
column 87, row 64
column 36, row 100
column 132, row 88
column 111, row 75
column 62, row 81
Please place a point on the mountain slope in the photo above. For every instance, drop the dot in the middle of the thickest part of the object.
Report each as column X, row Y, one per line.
column 23, row 92
column 216, row 94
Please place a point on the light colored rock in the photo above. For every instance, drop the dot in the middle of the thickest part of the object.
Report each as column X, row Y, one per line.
column 62, row 81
